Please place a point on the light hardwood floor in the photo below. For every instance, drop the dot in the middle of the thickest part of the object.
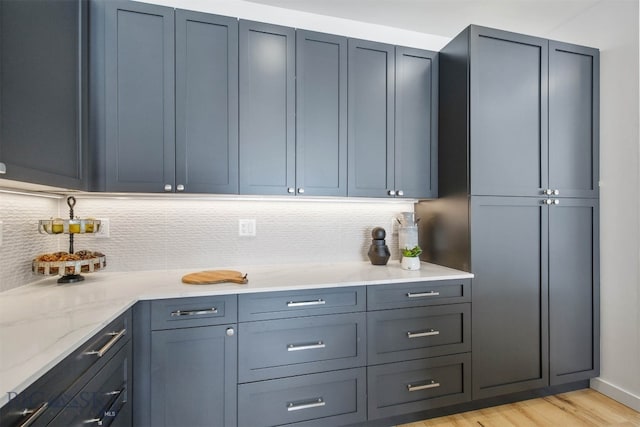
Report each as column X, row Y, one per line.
column 577, row 408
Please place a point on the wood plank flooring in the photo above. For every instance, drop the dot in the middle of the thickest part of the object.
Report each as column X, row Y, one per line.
column 577, row 408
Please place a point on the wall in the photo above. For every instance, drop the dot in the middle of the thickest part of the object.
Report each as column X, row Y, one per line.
column 612, row 26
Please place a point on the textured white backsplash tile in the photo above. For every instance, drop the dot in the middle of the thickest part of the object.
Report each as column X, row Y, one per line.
column 157, row 233
column 21, row 241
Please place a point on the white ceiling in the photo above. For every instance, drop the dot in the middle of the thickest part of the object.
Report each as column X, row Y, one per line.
column 447, row 17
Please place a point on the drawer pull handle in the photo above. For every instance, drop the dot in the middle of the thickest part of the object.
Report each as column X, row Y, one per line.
column 315, row 403
column 115, row 337
column 111, row 412
column 295, row 347
column 179, row 313
column 429, row 384
column 33, row 414
column 318, row 301
column 423, row 294
column 427, row 333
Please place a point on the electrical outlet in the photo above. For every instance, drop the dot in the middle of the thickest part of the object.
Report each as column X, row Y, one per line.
column 105, row 229
column 246, row 227
column 393, row 227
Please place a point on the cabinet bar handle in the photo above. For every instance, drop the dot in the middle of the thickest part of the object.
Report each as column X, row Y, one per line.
column 423, row 294
column 427, row 333
column 115, row 338
column 110, row 413
column 178, row 313
column 35, row 413
column 295, row 347
column 315, row 403
column 318, row 301
column 429, row 384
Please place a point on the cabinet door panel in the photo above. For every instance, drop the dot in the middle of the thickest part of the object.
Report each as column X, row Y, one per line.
column 510, row 295
column 573, row 120
column 43, row 96
column 321, row 119
column 267, row 108
column 371, row 112
column 573, row 291
column 416, row 123
column 139, row 88
column 206, row 102
column 508, row 114
column 193, row 377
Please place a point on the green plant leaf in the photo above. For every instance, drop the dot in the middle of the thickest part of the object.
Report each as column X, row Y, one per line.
column 411, row 252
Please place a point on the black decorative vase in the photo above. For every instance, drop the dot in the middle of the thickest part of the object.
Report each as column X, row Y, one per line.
column 378, row 251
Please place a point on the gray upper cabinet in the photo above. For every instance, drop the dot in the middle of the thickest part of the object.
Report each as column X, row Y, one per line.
column 508, row 113
column 321, row 114
column 267, row 109
column 206, row 103
column 43, row 92
column 134, row 108
column 371, row 119
column 574, row 76
column 392, row 121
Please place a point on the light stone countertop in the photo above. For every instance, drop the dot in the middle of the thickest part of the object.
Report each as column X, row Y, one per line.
column 43, row 322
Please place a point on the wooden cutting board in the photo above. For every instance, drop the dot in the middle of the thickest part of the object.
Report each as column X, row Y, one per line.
column 215, row 276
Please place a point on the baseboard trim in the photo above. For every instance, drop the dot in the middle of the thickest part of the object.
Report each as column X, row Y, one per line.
column 616, row 393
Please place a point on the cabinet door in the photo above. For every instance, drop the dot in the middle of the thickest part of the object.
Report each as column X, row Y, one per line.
column 321, row 114
column 267, row 109
column 43, row 96
column 508, row 116
column 416, row 123
column 574, row 290
column 206, row 103
column 139, row 91
column 194, row 377
column 573, row 120
column 509, row 248
column 371, row 119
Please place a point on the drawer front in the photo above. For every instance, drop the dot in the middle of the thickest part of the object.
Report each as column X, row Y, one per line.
column 315, row 400
column 193, row 311
column 418, row 385
column 415, row 333
column 105, row 397
column 56, row 387
column 417, row 294
column 278, row 348
column 278, row 305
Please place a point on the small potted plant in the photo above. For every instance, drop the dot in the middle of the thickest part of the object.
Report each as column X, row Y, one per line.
column 410, row 260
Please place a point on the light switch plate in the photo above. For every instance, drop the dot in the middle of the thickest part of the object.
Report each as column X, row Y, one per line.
column 105, row 229
column 246, row 227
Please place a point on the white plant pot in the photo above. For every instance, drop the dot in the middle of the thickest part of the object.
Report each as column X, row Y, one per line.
column 410, row 263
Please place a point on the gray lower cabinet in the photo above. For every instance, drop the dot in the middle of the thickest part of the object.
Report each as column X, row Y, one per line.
column 43, row 92
column 267, row 109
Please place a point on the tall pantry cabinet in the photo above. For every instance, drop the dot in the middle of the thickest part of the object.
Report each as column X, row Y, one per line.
column 518, row 179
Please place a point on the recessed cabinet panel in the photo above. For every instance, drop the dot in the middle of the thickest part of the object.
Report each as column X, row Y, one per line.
column 206, row 102
column 510, row 295
column 508, row 115
column 573, row 120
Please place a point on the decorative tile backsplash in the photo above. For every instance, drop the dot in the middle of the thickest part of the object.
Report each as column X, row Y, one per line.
column 155, row 233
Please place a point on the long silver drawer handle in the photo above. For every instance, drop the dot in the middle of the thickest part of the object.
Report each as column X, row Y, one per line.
column 35, row 413
column 423, row 294
column 115, row 338
column 194, row 312
column 318, row 301
column 427, row 333
column 315, row 403
column 108, row 413
column 430, row 384
column 294, row 347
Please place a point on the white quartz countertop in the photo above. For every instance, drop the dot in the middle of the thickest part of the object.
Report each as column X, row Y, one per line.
column 43, row 322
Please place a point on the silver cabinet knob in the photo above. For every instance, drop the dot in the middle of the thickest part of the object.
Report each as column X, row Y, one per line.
column 3, row 168
column 391, row 193
column 548, row 192
column 556, row 192
column 291, row 190
column 179, row 187
column 556, row 202
column 230, row 332
column 168, row 187
column 399, row 193
column 547, row 201
column 300, row 190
